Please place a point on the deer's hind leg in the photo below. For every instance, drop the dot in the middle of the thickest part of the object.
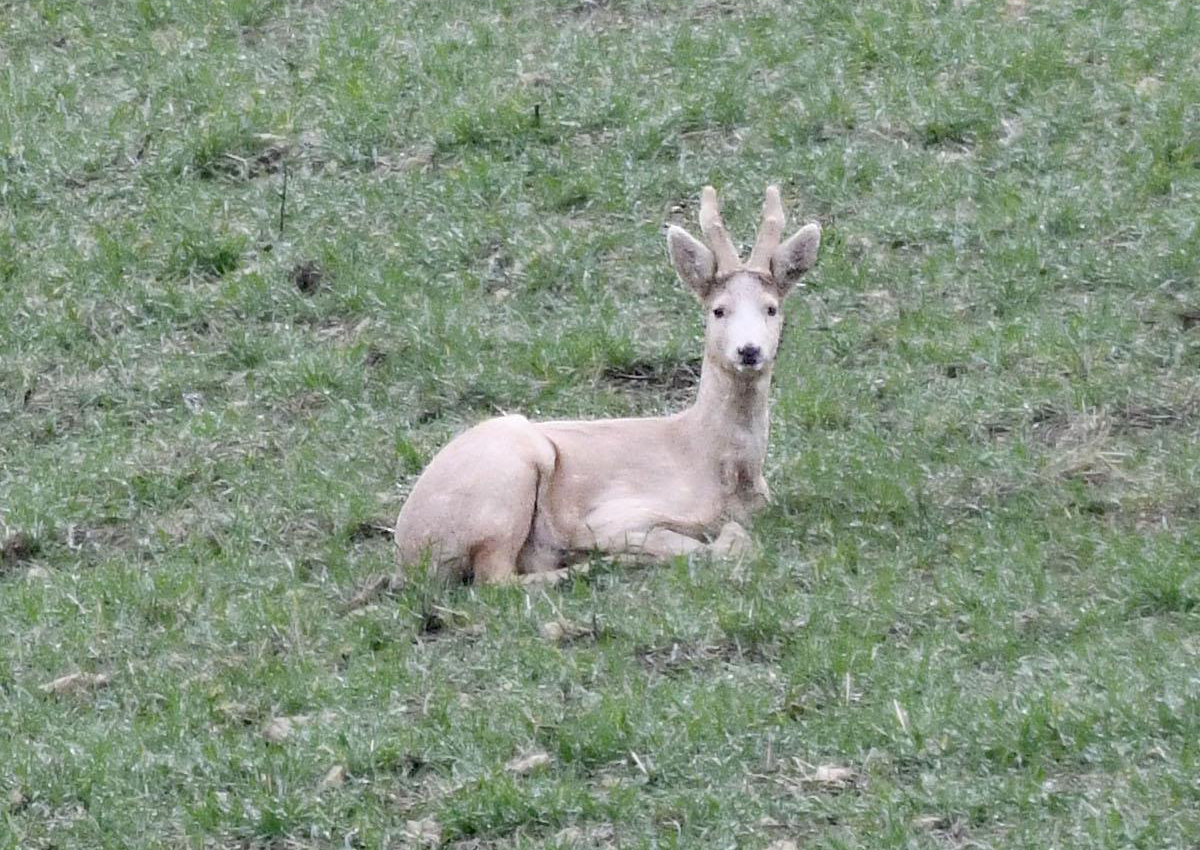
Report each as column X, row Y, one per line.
column 474, row 506
column 495, row 561
column 518, row 476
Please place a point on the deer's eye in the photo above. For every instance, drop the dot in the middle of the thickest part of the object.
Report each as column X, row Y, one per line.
column 719, row 312
column 772, row 310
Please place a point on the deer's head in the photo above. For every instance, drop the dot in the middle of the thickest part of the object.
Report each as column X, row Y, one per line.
column 743, row 301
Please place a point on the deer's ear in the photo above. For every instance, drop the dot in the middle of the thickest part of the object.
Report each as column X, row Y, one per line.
column 795, row 256
column 693, row 262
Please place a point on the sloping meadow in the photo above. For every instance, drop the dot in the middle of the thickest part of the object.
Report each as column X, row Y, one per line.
column 260, row 259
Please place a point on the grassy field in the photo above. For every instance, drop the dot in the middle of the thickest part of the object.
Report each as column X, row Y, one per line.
column 259, row 259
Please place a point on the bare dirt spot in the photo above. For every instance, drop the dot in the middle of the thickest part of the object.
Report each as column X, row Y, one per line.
column 684, row 657
column 681, row 211
column 587, row 7
column 670, row 375
column 950, row 830
column 302, row 405
column 1082, row 441
column 308, row 276
column 1060, row 428
column 1087, row 446
column 438, row 621
column 1189, row 317
column 371, row 529
column 1081, row 449
column 1143, row 417
column 269, row 158
column 476, row 397
column 432, row 624
column 802, row 779
column 501, row 269
column 268, row 161
column 1164, row 515
column 17, row 548
column 80, row 537
column 371, row 590
column 1063, row 430
column 1097, row 448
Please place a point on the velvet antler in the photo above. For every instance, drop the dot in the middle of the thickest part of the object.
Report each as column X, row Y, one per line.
column 714, row 231
column 769, row 232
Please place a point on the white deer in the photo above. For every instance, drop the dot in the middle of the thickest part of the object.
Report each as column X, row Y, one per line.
column 511, row 498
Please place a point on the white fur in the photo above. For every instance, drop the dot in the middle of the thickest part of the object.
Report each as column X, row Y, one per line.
column 511, row 497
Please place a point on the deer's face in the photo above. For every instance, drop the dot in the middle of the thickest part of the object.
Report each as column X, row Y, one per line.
column 744, row 321
column 743, row 300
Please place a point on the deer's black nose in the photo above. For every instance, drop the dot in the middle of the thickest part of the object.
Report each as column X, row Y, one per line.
column 750, row 355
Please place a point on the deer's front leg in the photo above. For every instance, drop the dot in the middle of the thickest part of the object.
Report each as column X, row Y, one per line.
column 733, row 542
column 660, row 544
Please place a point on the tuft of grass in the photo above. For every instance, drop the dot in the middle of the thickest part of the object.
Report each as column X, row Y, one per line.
column 206, row 254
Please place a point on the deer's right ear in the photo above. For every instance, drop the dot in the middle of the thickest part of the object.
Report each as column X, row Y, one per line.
column 693, row 262
column 795, row 256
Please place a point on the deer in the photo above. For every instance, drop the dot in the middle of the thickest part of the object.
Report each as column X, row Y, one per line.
column 511, row 500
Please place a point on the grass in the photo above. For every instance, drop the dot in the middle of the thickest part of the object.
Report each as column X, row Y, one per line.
column 978, row 592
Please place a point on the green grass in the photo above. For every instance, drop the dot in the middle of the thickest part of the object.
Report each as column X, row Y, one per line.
column 979, row 587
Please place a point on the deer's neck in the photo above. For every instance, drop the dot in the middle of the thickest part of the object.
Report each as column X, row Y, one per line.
column 730, row 416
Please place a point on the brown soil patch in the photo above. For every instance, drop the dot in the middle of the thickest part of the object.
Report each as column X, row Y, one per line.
column 680, row 657
column 268, row 159
column 439, row 622
column 1188, row 317
column 1143, row 417
column 17, row 548
column 80, row 537
column 1059, row 428
column 372, row 589
column 371, row 529
column 655, row 375
column 307, row 276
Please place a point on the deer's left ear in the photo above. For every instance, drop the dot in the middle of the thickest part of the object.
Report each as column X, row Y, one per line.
column 693, row 262
column 795, row 256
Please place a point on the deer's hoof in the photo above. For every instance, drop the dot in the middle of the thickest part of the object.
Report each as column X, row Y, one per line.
column 549, row 578
column 732, row 543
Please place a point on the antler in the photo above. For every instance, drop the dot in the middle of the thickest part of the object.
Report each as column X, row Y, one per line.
column 715, row 232
column 769, row 232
